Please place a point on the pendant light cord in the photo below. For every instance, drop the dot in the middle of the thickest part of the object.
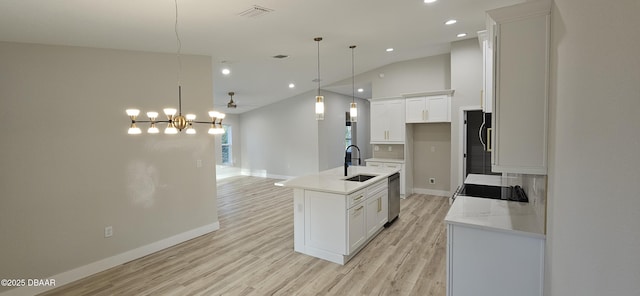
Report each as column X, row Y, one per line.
column 353, row 79
column 318, row 40
column 179, row 48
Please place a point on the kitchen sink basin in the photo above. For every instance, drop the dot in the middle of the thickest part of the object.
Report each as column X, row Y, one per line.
column 360, row 178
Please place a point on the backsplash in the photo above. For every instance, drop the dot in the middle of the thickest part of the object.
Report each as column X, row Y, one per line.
column 382, row 151
column 535, row 186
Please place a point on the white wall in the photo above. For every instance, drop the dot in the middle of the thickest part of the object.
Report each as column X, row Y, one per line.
column 418, row 75
column 466, row 79
column 70, row 169
column 432, row 157
column 281, row 139
column 593, row 233
column 284, row 139
column 331, row 130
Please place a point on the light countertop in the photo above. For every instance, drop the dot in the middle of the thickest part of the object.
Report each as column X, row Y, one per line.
column 332, row 180
column 498, row 215
column 385, row 160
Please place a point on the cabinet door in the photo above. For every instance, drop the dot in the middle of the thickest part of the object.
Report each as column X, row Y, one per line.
column 415, row 110
column 378, row 122
column 480, row 264
column 372, row 205
column 395, row 120
column 438, row 109
column 323, row 228
column 520, row 109
column 383, row 209
column 356, row 222
column 487, row 95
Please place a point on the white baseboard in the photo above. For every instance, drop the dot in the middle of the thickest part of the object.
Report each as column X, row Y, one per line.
column 263, row 174
column 432, row 192
column 104, row 264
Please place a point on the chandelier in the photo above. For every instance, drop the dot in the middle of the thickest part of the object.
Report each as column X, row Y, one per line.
column 176, row 122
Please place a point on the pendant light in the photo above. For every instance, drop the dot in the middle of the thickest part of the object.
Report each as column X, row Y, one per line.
column 176, row 122
column 353, row 110
column 319, row 98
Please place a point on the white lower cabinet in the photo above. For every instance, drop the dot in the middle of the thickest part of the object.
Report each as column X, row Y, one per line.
column 377, row 210
column 496, row 263
column 337, row 226
column 357, row 233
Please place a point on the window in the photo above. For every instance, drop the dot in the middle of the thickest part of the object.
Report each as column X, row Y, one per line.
column 226, row 145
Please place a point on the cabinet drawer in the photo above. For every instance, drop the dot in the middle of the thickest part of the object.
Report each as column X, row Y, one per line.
column 355, row 198
column 397, row 166
column 375, row 164
column 381, row 185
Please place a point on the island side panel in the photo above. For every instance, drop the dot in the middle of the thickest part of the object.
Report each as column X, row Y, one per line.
column 325, row 221
column 298, row 220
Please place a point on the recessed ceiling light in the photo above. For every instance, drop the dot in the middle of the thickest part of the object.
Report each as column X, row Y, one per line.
column 450, row 22
column 226, row 71
column 291, row 85
column 429, row 1
column 390, row 49
column 360, row 90
column 462, row 35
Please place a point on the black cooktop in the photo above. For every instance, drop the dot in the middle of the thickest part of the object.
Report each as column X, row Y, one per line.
column 512, row 193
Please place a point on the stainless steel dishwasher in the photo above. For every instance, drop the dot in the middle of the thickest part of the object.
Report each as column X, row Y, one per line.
column 394, row 198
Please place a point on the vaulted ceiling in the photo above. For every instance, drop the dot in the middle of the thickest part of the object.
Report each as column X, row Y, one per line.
column 247, row 44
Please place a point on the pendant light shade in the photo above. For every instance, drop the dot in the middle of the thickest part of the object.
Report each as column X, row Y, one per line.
column 319, row 108
column 319, row 98
column 353, row 108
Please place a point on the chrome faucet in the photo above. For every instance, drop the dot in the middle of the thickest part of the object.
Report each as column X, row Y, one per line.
column 346, row 158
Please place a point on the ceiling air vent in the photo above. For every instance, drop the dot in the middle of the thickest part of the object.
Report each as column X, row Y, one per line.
column 255, row 11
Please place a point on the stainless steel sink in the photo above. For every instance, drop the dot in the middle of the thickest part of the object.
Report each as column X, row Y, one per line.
column 360, row 178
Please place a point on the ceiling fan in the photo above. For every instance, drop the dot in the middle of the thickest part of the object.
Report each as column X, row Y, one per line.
column 231, row 103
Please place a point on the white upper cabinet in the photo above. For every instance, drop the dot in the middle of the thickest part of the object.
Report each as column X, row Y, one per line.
column 387, row 121
column 416, row 109
column 486, row 94
column 521, row 54
column 428, row 107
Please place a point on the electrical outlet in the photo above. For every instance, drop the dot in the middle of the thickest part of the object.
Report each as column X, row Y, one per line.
column 199, row 163
column 108, row 231
column 432, row 180
column 376, row 148
column 390, row 148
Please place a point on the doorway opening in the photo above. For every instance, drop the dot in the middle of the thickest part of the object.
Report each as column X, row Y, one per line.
column 477, row 143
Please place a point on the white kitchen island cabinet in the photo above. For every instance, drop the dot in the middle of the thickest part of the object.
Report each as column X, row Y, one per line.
column 335, row 218
column 396, row 164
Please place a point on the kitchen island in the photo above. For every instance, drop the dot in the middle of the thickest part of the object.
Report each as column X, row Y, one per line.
column 335, row 218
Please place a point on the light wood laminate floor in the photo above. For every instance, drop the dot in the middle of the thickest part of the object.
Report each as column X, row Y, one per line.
column 252, row 254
